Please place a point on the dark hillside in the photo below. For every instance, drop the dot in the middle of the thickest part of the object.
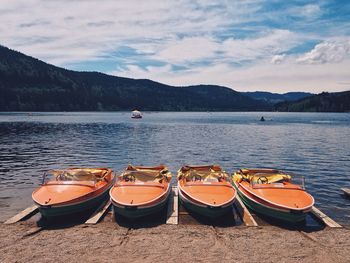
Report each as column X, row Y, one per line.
column 323, row 102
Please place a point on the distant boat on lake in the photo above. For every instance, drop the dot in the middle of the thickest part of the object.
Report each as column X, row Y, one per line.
column 135, row 114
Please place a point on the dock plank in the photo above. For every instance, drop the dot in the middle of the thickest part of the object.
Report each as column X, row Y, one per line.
column 26, row 213
column 324, row 218
column 246, row 216
column 173, row 208
column 99, row 213
column 346, row 191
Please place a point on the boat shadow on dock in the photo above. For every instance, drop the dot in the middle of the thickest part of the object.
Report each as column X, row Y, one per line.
column 310, row 224
column 149, row 221
column 228, row 220
column 64, row 221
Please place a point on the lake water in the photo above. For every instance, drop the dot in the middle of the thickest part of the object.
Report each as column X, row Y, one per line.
column 315, row 145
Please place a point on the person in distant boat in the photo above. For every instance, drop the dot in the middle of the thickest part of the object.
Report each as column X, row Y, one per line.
column 262, row 118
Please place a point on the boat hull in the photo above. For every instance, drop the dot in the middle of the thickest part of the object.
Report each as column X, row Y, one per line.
column 136, row 212
column 141, row 191
column 281, row 215
column 54, row 211
column 204, row 210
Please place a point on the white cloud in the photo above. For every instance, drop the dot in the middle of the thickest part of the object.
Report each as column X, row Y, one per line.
column 191, row 50
column 277, row 59
column 308, row 11
column 270, row 43
column 188, row 49
column 306, row 72
column 65, row 31
column 231, row 43
column 327, row 52
column 283, row 77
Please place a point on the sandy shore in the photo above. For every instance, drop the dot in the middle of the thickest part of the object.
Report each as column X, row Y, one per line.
column 109, row 242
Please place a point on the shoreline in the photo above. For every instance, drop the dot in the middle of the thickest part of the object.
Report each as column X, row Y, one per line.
column 173, row 111
column 110, row 242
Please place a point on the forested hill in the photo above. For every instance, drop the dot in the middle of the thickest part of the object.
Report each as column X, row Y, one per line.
column 323, row 102
column 274, row 98
column 28, row 84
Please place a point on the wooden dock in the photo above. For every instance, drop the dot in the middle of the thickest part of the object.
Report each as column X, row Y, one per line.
column 99, row 213
column 174, row 211
column 173, row 207
column 324, row 218
column 346, row 191
column 244, row 213
column 26, row 213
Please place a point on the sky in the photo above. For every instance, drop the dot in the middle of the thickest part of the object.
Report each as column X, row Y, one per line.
column 253, row 45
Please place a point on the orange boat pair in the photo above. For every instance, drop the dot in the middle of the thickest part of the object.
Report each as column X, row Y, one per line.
column 142, row 191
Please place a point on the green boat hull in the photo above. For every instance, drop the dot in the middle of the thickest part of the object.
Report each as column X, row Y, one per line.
column 51, row 212
column 205, row 211
column 288, row 217
column 137, row 212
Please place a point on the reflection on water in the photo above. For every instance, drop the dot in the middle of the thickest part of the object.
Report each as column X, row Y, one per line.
column 314, row 145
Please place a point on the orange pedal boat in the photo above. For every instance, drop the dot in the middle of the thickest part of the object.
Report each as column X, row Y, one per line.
column 71, row 191
column 205, row 190
column 272, row 193
column 141, row 191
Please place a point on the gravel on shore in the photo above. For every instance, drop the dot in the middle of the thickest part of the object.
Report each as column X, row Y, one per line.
column 109, row 242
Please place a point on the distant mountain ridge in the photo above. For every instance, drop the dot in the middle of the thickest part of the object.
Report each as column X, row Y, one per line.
column 28, row 84
column 323, row 102
column 274, row 98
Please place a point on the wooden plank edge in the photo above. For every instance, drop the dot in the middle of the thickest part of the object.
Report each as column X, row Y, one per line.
column 324, row 218
column 172, row 212
column 99, row 213
column 244, row 213
column 346, row 191
column 26, row 213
